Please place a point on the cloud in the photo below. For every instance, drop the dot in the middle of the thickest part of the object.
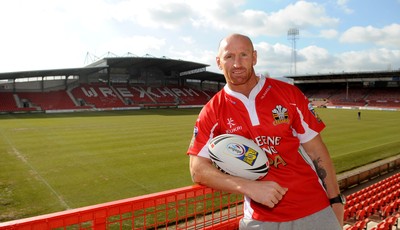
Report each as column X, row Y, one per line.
column 273, row 58
column 328, row 34
column 387, row 36
column 188, row 40
column 343, row 5
column 368, row 60
column 223, row 15
column 315, row 59
column 138, row 45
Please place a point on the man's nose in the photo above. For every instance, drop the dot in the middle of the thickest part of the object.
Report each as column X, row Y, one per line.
column 238, row 62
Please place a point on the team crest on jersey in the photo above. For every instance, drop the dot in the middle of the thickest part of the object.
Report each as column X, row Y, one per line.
column 280, row 115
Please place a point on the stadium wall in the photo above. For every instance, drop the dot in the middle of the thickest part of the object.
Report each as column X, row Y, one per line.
column 368, row 172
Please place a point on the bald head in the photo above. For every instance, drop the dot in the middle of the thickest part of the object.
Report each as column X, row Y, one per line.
column 233, row 38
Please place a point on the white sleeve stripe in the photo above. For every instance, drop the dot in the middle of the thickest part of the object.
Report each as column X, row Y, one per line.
column 308, row 133
column 204, row 151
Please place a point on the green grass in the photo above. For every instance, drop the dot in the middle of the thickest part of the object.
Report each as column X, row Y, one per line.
column 53, row 162
column 353, row 143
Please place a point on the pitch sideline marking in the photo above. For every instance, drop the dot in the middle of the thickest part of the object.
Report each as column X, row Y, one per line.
column 20, row 156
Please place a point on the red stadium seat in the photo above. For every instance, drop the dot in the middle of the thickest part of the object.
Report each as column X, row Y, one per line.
column 361, row 214
column 381, row 226
column 350, row 203
column 362, row 224
column 346, row 214
column 369, row 210
column 391, row 221
column 352, row 211
column 387, row 210
column 397, row 204
column 375, row 207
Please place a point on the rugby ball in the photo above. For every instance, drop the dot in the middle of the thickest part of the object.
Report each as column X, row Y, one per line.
column 238, row 156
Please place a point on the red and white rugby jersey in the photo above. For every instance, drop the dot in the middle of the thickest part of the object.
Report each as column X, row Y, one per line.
column 278, row 117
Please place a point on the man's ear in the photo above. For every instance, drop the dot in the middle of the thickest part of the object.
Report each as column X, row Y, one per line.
column 218, row 60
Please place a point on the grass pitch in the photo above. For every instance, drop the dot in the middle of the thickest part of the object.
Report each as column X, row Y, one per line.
column 53, row 162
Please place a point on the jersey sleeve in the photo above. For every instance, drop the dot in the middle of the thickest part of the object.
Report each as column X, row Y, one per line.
column 308, row 124
column 204, row 130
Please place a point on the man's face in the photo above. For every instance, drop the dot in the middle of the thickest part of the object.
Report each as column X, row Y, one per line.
column 236, row 59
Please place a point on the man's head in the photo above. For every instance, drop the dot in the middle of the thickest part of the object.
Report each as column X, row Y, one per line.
column 236, row 58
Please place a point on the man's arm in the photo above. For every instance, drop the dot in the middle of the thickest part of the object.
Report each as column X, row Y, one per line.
column 319, row 154
column 203, row 172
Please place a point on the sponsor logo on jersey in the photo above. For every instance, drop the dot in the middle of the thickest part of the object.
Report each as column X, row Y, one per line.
column 232, row 126
column 230, row 122
column 265, row 92
column 280, row 115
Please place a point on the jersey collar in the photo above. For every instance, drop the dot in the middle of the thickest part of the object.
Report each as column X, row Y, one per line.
column 257, row 88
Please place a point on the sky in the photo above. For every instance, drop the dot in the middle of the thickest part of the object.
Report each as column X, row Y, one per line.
column 334, row 35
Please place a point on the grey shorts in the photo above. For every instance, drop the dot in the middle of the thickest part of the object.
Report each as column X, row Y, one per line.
column 322, row 220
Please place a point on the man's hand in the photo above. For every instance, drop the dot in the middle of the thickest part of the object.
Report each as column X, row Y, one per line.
column 268, row 193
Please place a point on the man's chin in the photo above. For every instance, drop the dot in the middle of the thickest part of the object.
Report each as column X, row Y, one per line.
column 239, row 81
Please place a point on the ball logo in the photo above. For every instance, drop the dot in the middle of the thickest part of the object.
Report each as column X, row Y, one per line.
column 242, row 152
column 236, row 150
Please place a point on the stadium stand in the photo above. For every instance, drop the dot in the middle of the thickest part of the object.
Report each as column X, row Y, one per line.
column 368, row 90
column 101, row 96
column 47, row 100
column 389, row 97
column 7, row 102
column 97, row 95
column 134, row 94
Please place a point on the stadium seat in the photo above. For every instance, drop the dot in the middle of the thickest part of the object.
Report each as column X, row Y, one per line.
column 368, row 210
column 361, row 224
column 375, row 207
column 346, row 214
column 387, row 210
column 397, row 204
column 361, row 214
column 382, row 226
column 391, row 221
column 349, row 202
column 351, row 228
